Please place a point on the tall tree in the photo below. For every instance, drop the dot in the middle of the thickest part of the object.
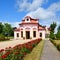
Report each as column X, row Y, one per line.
column 8, row 30
column 53, row 26
column 58, row 28
column 52, row 36
column 58, row 33
column 1, row 27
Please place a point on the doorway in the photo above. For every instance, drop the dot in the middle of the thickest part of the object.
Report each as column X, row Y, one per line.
column 27, row 34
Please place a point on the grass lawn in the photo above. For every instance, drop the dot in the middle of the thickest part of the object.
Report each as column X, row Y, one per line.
column 57, row 41
column 7, row 39
column 10, row 37
column 36, row 52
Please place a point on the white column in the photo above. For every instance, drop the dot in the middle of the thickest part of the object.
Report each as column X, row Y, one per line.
column 37, row 33
column 43, row 34
column 15, row 35
column 24, row 33
column 31, row 33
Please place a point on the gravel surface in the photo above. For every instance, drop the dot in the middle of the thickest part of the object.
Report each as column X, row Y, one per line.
column 11, row 43
column 50, row 52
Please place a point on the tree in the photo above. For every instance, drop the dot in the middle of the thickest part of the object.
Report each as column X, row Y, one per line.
column 8, row 30
column 58, row 28
column 52, row 35
column 53, row 26
column 1, row 27
column 58, row 33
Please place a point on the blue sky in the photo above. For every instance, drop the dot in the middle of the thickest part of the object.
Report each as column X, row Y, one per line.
column 13, row 11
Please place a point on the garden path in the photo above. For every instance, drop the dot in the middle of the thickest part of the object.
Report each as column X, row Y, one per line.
column 50, row 52
column 11, row 43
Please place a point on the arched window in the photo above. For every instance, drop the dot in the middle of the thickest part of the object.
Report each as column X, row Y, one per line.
column 34, row 33
column 17, row 34
column 40, row 34
column 21, row 33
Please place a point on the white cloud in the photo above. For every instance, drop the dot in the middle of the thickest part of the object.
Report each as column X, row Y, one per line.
column 35, row 10
column 54, row 7
column 41, row 13
column 28, row 6
column 13, row 24
column 47, row 15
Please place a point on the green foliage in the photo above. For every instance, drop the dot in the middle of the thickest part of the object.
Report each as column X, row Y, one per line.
column 34, row 44
column 1, row 27
column 17, row 52
column 58, row 35
column 52, row 36
column 58, row 28
column 53, row 26
column 58, row 47
column 25, row 50
column 8, row 29
column 2, row 37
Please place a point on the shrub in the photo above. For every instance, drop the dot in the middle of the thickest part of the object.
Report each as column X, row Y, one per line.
column 2, row 37
column 58, row 47
column 52, row 36
column 58, row 35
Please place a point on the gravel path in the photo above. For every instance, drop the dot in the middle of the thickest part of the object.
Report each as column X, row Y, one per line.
column 50, row 52
column 11, row 43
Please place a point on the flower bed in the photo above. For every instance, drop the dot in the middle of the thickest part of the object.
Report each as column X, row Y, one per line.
column 18, row 51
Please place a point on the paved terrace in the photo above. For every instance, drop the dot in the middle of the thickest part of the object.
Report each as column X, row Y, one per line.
column 11, row 43
column 50, row 52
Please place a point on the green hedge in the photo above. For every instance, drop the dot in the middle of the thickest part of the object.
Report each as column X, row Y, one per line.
column 2, row 38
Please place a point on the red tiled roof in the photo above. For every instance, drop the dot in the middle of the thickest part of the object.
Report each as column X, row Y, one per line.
column 18, row 29
column 31, row 20
column 41, row 28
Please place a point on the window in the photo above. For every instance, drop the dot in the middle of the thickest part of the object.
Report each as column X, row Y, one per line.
column 27, row 19
column 17, row 34
column 21, row 33
column 40, row 34
column 34, row 33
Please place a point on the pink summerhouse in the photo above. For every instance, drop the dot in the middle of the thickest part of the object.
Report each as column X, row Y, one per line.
column 30, row 28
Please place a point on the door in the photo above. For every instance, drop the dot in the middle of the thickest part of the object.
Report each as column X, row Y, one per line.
column 27, row 34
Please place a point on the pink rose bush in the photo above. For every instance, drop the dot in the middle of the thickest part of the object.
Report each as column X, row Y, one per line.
column 18, row 51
